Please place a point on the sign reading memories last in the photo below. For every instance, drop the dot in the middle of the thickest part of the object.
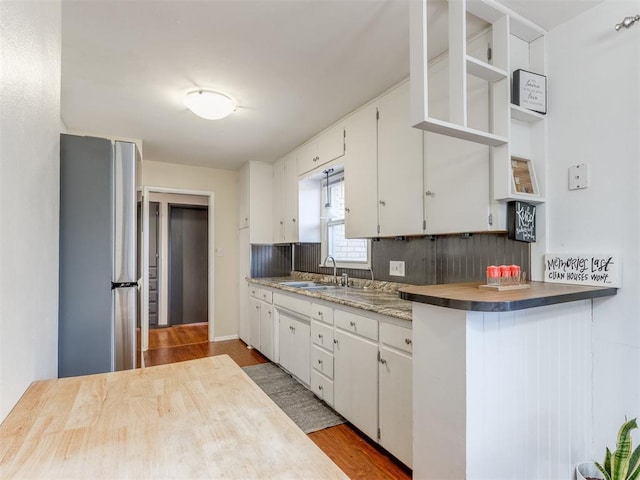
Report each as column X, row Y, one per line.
column 598, row 270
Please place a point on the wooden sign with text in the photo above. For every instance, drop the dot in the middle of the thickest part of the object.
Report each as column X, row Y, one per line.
column 581, row 269
column 521, row 221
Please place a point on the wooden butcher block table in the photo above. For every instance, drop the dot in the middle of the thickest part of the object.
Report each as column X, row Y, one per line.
column 197, row 419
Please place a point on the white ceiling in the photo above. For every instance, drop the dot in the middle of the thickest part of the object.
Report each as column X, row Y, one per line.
column 292, row 66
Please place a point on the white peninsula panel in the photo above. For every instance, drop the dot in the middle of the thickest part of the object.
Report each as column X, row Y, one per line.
column 501, row 394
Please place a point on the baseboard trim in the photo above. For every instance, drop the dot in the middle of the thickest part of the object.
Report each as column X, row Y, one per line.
column 226, row 337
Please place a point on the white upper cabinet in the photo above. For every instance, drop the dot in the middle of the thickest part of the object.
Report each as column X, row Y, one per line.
column 361, row 174
column 243, row 197
column 285, row 200
column 384, row 169
column 255, row 192
column 457, row 194
column 278, row 201
column 327, row 147
column 400, row 167
column 291, row 214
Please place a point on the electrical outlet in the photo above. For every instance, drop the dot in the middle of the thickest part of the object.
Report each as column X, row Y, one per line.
column 396, row 268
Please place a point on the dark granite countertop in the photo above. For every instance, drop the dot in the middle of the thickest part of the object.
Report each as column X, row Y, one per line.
column 467, row 296
column 372, row 296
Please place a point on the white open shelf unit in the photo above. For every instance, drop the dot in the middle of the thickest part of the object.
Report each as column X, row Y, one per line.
column 516, row 43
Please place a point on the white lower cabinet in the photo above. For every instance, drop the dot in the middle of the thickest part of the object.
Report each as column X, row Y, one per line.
column 396, row 392
column 266, row 331
column 356, row 377
column 260, row 319
column 360, row 365
column 254, row 322
column 294, row 346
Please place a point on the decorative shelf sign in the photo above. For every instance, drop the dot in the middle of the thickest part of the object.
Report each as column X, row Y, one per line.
column 599, row 270
column 530, row 90
column 521, row 221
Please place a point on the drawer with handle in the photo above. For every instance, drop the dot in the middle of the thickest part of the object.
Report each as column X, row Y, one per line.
column 254, row 291
column 322, row 313
column 266, row 295
column 322, row 361
column 322, row 335
column 367, row 327
column 322, row 387
column 397, row 337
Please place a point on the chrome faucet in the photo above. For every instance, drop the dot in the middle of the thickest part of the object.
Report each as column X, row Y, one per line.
column 324, row 264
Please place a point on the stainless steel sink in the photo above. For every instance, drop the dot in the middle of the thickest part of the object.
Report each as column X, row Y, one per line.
column 321, row 287
column 309, row 285
column 299, row 284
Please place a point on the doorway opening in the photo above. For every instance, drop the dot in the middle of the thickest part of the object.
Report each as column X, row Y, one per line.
column 188, row 260
column 177, row 264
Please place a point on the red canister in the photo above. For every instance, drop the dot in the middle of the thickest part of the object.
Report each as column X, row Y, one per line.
column 515, row 274
column 505, row 275
column 493, row 275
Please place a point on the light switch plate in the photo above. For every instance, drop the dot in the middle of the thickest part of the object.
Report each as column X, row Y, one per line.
column 578, row 177
column 396, row 268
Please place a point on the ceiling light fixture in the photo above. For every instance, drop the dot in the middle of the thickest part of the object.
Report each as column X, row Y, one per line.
column 208, row 104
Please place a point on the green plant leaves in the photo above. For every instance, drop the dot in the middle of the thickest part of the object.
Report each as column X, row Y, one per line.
column 622, row 464
column 634, row 465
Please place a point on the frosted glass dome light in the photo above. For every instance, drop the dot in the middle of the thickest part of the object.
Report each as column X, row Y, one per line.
column 208, row 104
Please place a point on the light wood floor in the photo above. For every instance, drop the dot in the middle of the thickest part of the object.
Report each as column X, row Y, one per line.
column 353, row 452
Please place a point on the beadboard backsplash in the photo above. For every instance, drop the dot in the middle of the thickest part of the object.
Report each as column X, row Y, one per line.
column 270, row 260
column 428, row 260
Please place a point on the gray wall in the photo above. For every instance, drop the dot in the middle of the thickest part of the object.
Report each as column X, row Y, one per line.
column 428, row 260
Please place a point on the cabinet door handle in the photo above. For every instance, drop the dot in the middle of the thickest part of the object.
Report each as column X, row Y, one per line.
column 335, row 341
column 347, row 210
column 319, row 335
column 408, row 341
column 382, row 202
column 383, row 361
column 319, row 314
column 257, row 307
column 281, row 222
column 353, row 324
column 293, row 220
column 429, row 193
column 320, row 362
column 269, row 312
column 319, row 387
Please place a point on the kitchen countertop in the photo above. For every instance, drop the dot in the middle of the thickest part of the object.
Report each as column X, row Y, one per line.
column 467, row 296
column 197, row 419
column 378, row 297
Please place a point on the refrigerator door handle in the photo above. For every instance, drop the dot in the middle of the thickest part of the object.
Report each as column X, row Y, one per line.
column 115, row 285
column 124, row 328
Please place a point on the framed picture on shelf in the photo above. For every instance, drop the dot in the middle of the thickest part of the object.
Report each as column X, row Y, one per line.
column 524, row 176
column 530, row 90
